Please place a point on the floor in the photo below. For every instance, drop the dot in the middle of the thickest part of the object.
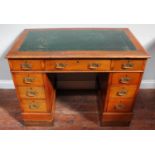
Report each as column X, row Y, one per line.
column 77, row 110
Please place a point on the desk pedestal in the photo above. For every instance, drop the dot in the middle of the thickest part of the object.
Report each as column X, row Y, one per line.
column 36, row 93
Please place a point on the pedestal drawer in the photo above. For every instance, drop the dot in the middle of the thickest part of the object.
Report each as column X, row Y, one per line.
column 33, row 105
column 125, row 78
column 119, row 105
column 122, row 91
column 31, row 92
column 28, row 79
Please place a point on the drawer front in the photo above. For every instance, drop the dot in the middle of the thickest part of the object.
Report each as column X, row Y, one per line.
column 122, row 91
column 128, row 65
column 34, row 106
column 120, row 105
column 28, row 79
column 31, row 92
column 125, row 78
column 26, row 65
column 77, row 65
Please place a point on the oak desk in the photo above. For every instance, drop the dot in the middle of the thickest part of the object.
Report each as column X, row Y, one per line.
column 114, row 54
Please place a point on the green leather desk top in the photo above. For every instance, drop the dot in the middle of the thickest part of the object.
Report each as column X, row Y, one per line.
column 77, row 43
column 76, row 40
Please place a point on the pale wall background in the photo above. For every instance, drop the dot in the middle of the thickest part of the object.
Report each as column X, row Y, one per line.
column 144, row 33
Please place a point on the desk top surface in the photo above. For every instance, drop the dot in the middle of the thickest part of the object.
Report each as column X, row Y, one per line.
column 76, row 43
column 76, row 40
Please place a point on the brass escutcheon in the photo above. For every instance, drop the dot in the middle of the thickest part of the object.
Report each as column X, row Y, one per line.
column 60, row 66
column 31, row 93
column 125, row 80
column 129, row 65
column 26, row 66
column 122, row 92
column 33, row 106
column 28, row 80
column 93, row 66
column 120, row 106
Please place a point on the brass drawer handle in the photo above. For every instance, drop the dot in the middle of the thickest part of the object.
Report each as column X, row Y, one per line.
column 120, row 106
column 129, row 65
column 33, row 106
column 60, row 66
column 125, row 80
column 26, row 66
column 122, row 92
column 28, row 80
column 93, row 66
column 31, row 93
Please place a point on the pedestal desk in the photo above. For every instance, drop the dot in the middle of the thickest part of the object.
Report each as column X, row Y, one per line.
column 114, row 54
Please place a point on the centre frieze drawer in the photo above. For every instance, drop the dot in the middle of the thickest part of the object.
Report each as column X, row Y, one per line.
column 77, row 65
